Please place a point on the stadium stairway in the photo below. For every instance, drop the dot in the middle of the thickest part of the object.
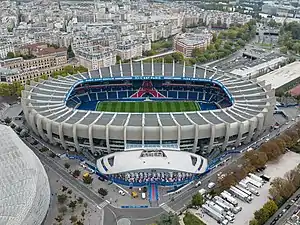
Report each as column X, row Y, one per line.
column 153, row 193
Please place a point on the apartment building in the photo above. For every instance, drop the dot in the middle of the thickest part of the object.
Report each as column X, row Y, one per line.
column 6, row 48
column 95, row 57
column 130, row 49
column 187, row 42
column 46, row 61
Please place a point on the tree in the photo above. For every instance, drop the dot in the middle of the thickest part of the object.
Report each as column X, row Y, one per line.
column 61, row 198
column 261, row 216
column 76, row 173
column 102, row 191
column 253, row 222
column 283, row 49
column 7, row 120
column 190, row 219
column 79, row 223
column 70, row 52
column 178, row 57
column 80, row 200
column 197, row 200
column 63, row 209
column 67, row 165
column 183, row 30
column 73, row 219
column 72, row 205
column 271, row 207
column 118, row 58
column 44, row 76
column 168, row 219
column 10, row 55
column 87, row 179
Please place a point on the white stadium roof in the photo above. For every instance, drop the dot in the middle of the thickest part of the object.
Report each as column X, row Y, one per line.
column 24, row 186
column 282, row 76
column 139, row 160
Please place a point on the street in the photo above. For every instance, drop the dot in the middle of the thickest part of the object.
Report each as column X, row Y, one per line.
column 148, row 215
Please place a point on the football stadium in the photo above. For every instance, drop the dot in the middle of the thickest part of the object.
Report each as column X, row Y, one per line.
column 149, row 122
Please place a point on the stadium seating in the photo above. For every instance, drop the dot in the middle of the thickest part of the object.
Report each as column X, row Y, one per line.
column 209, row 97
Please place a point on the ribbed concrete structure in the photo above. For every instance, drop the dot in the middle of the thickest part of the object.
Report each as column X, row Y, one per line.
column 200, row 132
column 24, row 187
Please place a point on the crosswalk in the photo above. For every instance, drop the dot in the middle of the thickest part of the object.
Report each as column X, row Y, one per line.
column 168, row 209
column 102, row 205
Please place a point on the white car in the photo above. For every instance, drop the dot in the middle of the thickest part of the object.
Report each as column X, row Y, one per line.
column 121, row 192
column 211, row 185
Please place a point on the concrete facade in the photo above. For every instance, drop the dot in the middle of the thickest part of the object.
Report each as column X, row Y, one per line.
column 105, row 132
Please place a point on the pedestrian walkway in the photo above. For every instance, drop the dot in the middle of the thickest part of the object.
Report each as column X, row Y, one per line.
column 102, row 205
column 168, row 209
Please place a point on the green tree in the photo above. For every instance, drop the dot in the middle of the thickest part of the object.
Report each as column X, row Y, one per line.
column 178, row 57
column 253, row 222
column 63, row 209
column 10, row 55
column 67, row 165
column 197, row 200
column 44, row 76
column 261, row 215
column 283, row 49
column 72, row 205
column 168, row 219
column 70, row 52
column 61, row 198
column 118, row 59
column 271, row 207
column 73, row 219
column 190, row 219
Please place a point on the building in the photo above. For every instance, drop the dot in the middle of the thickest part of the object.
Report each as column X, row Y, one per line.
column 132, row 49
column 187, row 42
column 45, row 61
column 6, row 48
column 95, row 57
column 25, row 190
column 103, row 132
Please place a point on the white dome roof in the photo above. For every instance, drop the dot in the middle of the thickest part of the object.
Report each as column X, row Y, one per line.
column 24, row 185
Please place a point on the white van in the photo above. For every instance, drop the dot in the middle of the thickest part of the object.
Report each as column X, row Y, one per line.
column 198, row 184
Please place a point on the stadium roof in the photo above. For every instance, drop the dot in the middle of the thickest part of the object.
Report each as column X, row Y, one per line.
column 137, row 160
column 24, row 186
column 282, row 76
column 47, row 98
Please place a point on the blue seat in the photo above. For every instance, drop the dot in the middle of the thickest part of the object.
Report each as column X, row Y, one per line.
column 182, row 95
column 112, row 95
column 102, row 96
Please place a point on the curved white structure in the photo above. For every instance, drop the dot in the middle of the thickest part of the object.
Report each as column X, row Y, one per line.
column 107, row 132
column 158, row 160
column 24, row 187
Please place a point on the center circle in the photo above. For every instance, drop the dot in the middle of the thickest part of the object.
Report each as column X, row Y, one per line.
column 124, row 221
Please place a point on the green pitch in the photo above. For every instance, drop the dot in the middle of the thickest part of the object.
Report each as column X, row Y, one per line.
column 140, row 107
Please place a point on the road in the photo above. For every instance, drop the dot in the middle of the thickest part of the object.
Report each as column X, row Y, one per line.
column 138, row 216
column 285, row 217
column 155, row 56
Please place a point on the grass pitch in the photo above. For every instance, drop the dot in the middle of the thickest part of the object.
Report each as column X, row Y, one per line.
column 151, row 106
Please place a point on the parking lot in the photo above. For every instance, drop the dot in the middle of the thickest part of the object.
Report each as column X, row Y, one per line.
column 276, row 169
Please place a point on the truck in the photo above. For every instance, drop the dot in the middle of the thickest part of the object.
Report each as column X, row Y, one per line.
column 225, row 195
column 256, row 178
column 217, row 216
column 249, row 193
column 229, row 218
column 254, row 183
column 239, row 194
column 216, row 207
column 254, row 191
column 231, row 207
column 243, row 184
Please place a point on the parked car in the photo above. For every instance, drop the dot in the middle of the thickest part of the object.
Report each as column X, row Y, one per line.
column 121, row 192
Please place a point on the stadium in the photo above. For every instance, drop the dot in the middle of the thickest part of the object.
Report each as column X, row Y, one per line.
column 149, row 121
column 24, row 189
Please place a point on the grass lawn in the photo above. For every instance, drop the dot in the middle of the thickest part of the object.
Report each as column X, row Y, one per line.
column 190, row 219
column 140, row 107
